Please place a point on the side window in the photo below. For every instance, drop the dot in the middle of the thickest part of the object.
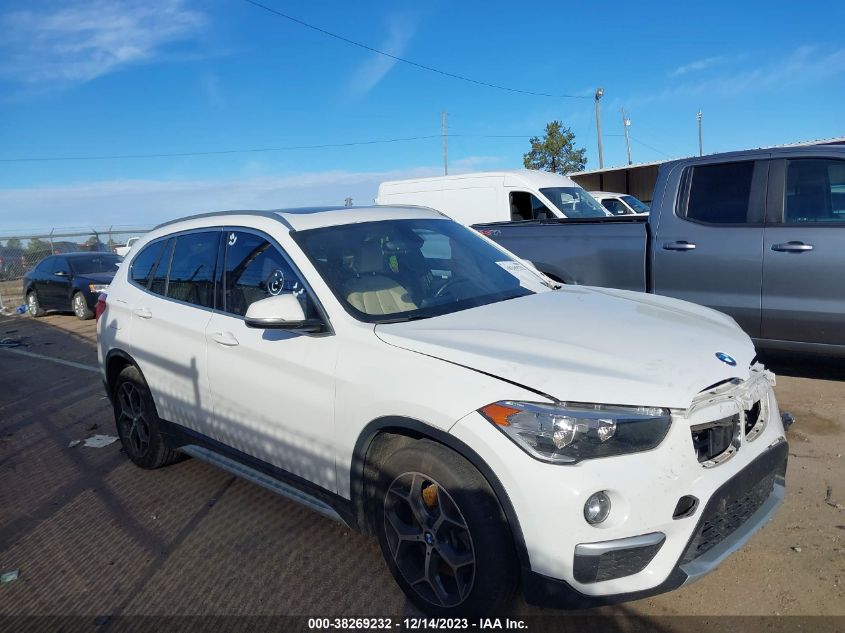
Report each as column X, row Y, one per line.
column 158, row 284
column 614, row 206
column 144, row 262
column 719, row 194
column 59, row 265
column 255, row 269
column 540, row 211
column 815, row 191
column 191, row 276
column 45, row 267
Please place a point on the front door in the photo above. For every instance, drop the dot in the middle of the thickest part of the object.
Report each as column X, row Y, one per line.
column 804, row 252
column 273, row 389
column 707, row 249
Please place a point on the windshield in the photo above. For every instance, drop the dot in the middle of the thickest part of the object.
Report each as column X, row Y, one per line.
column 574, row 202
column 103, row 263
column 636, row 205
column 398, row 270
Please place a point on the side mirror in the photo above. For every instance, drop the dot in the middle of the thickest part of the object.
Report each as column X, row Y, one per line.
column 282, row 312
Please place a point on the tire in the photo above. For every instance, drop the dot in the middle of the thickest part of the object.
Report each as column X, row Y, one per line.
column 138, row 423
column 443, row 533
column 80, row 307
column 33, row 305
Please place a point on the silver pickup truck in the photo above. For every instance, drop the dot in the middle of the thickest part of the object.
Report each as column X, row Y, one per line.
column 759, row 235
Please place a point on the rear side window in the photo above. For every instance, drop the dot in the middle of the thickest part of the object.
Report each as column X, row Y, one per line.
column 158, row 284
column 815, row 191
column 719, row 194
column 191, row 276
column 144, row 262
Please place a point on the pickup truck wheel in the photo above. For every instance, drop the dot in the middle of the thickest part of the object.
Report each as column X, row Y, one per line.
column 138, row 423
column 443, row 533
column 33, row 306
column 80, row 307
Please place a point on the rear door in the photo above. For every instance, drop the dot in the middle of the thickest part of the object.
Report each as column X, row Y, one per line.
column 708, row 240
column 804, row 250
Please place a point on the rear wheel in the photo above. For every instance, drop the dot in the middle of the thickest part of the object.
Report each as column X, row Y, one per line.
column 138, row 423
column 33, row 306
column 443, row 533
column 80, row 307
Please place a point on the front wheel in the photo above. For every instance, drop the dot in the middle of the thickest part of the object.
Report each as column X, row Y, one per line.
column 80, row 307
column 443, row 533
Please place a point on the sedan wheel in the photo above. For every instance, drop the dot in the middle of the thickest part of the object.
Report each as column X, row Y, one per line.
column 80, row 307
column 33, row 307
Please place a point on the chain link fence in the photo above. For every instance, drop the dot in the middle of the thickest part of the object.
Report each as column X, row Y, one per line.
column 19, row 253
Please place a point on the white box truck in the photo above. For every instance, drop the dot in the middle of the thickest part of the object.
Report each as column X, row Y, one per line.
column 498, row 196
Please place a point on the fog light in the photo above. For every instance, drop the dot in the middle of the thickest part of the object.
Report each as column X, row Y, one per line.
column 597, row 508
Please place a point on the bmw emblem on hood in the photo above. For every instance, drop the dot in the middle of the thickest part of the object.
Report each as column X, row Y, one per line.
column 725, row 358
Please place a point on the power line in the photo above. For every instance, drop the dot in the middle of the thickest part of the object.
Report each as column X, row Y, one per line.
column 651, row 147
column 41, row 159
column 410, row 62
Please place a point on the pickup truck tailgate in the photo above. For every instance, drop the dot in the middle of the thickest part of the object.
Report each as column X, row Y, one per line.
column 598, row 252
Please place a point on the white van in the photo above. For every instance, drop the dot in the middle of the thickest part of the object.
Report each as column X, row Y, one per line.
column 496, row 196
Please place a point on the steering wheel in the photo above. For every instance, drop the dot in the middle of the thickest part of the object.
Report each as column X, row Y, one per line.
column 455, row 281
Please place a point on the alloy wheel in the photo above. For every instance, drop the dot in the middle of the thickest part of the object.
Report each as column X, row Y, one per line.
column 132, row 419
column 429, row 539
column 79, row 306
column 32, row 303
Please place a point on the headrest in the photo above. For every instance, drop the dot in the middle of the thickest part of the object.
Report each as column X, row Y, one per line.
column 369, row 258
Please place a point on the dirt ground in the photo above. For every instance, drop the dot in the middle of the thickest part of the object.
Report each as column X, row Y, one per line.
column 93, row 535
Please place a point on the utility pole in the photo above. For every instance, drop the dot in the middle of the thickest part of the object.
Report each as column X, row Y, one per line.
column 700, row 146
column 626, row 123
column 445, row 155
column 599, row 95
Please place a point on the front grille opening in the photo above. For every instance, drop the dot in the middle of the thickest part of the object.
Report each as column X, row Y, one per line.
column 712, row 439
column 732, row 512
column 685, row 507
column 752, row 416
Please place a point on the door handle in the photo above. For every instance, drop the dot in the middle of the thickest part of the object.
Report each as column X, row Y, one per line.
column 225, row 338
column 678, row 246
column 143, row 313
column 792, row 247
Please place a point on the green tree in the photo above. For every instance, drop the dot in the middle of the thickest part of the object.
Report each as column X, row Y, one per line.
column 13, row 242
column 556, row 151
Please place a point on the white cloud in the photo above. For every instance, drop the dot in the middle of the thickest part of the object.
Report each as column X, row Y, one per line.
column 805, row 65
column 148, row 202
column 699, row 64
column 78, row 42
column 400, row 30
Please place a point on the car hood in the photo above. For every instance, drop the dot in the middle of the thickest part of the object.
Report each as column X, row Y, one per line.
column 584, row 344
column 97, row 278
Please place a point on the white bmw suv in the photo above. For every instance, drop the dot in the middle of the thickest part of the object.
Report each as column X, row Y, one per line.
column 400, row 373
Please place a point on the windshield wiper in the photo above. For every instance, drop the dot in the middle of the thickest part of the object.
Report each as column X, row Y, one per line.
column 415, row 317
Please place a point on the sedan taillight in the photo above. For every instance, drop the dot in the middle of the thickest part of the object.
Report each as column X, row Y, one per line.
column 101, row 306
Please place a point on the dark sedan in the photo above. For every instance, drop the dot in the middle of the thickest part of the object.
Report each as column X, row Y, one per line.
column 72, row 281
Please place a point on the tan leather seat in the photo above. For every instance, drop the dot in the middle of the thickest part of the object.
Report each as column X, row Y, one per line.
column 373, row 292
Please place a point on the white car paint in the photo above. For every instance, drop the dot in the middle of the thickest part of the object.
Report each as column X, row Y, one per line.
column 123, row 251
column 475, row 198
column 301, row 403
column 601, row 196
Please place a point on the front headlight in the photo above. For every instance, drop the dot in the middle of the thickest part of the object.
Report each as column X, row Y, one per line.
column 98, row 287
column 567, row 433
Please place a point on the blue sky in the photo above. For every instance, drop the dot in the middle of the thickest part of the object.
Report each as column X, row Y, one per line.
column 88, row 78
